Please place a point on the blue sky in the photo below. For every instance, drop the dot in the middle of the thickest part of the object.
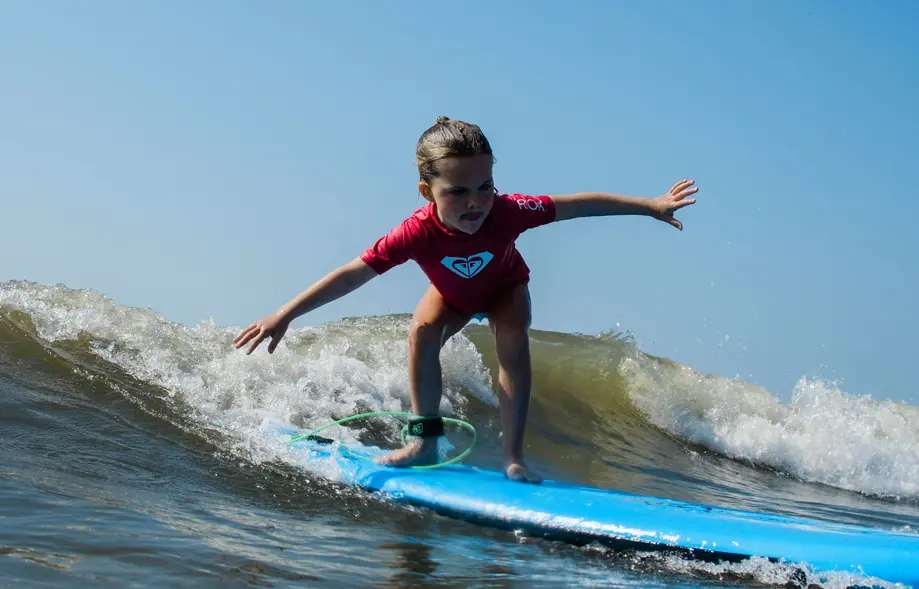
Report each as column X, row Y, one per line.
column 212, row 159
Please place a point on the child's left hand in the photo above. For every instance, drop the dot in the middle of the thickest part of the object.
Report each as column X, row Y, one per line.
column 663, row 207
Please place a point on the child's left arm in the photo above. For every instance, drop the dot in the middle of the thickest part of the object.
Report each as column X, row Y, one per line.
column 595, row 204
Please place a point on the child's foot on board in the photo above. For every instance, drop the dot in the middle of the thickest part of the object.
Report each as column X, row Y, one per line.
column 515, row 470
column 418, row 452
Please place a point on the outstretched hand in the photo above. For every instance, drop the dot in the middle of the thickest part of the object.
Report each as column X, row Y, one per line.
column 273, row 326
column 663, row 207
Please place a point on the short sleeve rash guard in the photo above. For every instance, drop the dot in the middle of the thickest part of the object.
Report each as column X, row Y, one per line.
column 467, row 270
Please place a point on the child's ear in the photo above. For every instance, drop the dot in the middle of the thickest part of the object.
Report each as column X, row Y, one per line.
column 425, row 190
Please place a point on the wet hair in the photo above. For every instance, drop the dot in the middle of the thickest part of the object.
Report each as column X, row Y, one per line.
column 448, row 138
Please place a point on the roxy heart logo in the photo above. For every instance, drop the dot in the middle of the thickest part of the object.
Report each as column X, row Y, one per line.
column 467, row 267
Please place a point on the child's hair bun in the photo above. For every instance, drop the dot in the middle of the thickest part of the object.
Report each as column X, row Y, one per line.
column 448, row 138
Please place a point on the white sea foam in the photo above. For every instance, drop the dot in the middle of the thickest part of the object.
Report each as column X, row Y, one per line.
column 316, row 375
column 824, row 435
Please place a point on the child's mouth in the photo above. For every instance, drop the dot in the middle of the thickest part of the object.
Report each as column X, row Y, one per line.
column 470, row 216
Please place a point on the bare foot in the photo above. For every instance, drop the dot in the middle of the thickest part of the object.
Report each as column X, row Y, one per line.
column 418, row 452
column 517, row 471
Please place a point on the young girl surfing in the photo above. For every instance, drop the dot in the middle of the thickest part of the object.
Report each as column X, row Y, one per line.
column 463, row 240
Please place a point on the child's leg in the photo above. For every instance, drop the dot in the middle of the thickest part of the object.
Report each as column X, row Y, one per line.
column 510, row 321
column 435, row 321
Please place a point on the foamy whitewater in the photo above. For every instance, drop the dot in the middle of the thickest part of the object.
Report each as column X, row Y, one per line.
column 824, row 435
column 322, row 373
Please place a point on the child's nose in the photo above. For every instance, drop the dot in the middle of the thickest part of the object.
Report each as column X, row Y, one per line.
column 477, row 202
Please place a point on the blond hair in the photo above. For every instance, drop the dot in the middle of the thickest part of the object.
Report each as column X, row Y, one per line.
column 448, row 138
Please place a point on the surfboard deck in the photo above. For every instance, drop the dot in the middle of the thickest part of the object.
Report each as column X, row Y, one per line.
column 581, row 515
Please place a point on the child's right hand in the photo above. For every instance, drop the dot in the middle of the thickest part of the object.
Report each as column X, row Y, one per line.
column 273, row 326
column 333, row 285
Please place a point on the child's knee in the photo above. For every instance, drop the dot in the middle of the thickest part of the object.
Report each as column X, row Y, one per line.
column 513, row 323
column 512, row 334
column 512, row 312
column 420, row 334
column 428, row 335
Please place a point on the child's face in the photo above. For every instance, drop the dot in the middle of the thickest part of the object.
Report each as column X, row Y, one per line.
column 463, row 192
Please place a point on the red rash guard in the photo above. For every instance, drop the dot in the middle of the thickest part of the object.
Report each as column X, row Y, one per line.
column 467, row 270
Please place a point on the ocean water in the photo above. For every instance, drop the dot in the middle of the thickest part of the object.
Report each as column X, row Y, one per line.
column 133, row 454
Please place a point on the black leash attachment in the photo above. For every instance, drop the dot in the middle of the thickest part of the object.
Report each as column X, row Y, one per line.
column 426, row 427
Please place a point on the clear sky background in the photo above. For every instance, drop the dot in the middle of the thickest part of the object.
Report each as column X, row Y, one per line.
column 211, row 159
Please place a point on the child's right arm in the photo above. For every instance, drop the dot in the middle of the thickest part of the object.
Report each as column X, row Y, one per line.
column 333, row 285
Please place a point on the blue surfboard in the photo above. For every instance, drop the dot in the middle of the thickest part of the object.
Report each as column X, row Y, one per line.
column 582, row 515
